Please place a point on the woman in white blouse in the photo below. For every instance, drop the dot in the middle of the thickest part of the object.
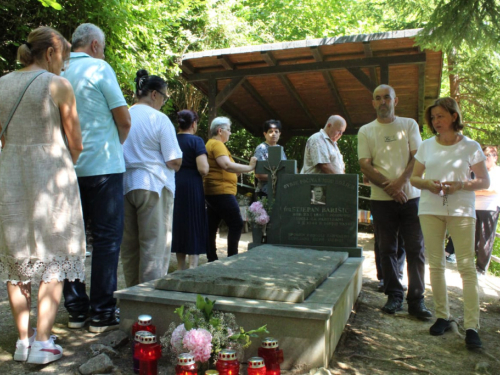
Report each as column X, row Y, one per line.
column 442, row 171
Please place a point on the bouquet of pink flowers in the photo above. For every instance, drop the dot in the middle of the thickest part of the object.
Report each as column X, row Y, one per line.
column 257, row 212
column 205, row 332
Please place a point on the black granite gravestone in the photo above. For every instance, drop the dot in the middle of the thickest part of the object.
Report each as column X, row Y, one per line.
column 317, row 211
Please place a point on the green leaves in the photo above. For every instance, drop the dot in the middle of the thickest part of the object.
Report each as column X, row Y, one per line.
column 206, row 306
column 51, row 3
column 244, row 337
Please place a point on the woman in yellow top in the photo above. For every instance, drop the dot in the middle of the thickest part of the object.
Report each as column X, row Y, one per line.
column 220, row 188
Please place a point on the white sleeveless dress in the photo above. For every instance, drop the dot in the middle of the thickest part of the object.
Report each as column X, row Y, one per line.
column 41, row 225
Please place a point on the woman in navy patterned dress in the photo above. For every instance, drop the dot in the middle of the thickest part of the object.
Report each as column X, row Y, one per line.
column 190, row 229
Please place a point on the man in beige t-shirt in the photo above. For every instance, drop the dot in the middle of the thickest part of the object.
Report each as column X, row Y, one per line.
column 386, row 149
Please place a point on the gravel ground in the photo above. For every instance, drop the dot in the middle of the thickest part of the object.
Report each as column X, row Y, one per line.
column 373, row 342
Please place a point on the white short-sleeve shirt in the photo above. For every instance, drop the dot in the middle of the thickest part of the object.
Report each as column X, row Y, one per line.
column 389, row 147
column 151, row 142
column 448, row 163
column 490, row 202
column 320, row 149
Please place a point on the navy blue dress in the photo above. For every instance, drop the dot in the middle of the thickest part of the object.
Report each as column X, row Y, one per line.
column 190, row 228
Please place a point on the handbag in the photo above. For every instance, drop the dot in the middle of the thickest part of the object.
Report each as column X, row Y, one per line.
column 11, row 114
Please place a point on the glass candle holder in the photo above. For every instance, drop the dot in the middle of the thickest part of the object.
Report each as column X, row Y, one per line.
column 148, row 353
column 273, row 356
column 227, row 364
column 135, row 349
column 256, row 366
column 186, row 365
column 144, row 323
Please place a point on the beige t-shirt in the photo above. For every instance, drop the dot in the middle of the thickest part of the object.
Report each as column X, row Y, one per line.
column 389, row 147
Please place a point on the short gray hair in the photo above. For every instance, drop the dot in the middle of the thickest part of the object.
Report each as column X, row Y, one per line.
column 85, row 34
column 218, row 123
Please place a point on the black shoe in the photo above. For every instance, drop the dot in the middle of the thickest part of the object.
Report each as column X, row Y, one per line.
column 393, row 304
column 440, row 327
column 77, row 320
column 472, row 340
column 419, row 310
column 104, row 325
column 380, row 286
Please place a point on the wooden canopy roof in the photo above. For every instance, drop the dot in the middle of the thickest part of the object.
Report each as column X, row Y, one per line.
column 302, row 83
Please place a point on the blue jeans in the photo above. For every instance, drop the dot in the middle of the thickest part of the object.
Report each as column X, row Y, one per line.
column 393, row 218
column 102, row 204
column 223, row 207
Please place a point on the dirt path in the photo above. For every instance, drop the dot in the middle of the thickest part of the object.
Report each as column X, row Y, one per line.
column 373, row 342
column 377, row 343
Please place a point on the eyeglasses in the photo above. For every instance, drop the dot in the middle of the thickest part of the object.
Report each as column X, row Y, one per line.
column 165, row 97
column 228, row 129
column 490, row 155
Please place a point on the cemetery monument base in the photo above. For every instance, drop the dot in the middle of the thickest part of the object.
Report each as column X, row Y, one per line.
column 308, row 331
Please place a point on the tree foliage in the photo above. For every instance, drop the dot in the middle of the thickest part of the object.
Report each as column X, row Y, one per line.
column 154, row 35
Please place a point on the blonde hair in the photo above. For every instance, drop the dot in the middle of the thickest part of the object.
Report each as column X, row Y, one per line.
column 39, row 40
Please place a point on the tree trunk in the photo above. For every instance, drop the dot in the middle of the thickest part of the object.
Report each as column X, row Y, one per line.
column 453, row 77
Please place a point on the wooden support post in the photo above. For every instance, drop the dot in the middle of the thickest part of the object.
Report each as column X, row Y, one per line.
column 212, row 94
column 384, row 74
column 421, row 94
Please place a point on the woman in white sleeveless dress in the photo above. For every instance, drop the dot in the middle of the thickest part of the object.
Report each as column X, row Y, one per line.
column 41, row 225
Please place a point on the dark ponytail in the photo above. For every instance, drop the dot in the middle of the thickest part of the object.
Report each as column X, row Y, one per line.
column 186, row 118
column 145, row 83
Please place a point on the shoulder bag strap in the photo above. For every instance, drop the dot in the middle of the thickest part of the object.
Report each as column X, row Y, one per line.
column 4, row 128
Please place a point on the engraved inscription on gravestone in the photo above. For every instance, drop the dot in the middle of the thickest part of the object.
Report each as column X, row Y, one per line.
column 316, row 210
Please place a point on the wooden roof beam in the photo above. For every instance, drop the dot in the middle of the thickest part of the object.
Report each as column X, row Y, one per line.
column 269, row 58
column 363, row 78
column 330, row 82
column 228, row 90
column 369, row 53
column 187, row 68
column 367, row 62
column 226, row 62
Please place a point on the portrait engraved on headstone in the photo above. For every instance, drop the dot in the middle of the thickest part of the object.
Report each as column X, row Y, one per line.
column 318, row 195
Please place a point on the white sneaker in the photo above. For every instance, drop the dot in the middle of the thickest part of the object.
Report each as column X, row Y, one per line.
column 42, row 354
column 23, row 348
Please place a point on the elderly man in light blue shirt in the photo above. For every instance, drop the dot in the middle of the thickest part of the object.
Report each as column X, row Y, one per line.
column 105, row 123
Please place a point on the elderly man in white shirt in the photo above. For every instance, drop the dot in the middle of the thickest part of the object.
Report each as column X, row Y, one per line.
column 322, row 154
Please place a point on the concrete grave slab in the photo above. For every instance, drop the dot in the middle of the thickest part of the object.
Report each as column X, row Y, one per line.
column 308, row 331
column 268, row 272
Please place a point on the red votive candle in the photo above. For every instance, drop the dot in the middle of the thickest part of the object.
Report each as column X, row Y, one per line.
column 148, row 353
column 227, row 364
column 144, row 323
column 256, row 366
column 272, row 355
column 186, row 365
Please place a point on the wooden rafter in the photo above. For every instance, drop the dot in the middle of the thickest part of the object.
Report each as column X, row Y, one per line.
column 330, row 82
column 269, row 58
column 363, row 78
column 228, row 90
column 367, row 62
column 369, row 53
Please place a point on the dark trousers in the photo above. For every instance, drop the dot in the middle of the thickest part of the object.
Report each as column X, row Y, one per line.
column 486, row 225
column 393, row 218
column 401, row 255
column 223, row 207
column 102, row 204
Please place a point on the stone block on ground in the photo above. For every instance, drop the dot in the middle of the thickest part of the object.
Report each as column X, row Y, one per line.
column 115, row 339
column 100, row 364
column 100, row 348
column 273, row 273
